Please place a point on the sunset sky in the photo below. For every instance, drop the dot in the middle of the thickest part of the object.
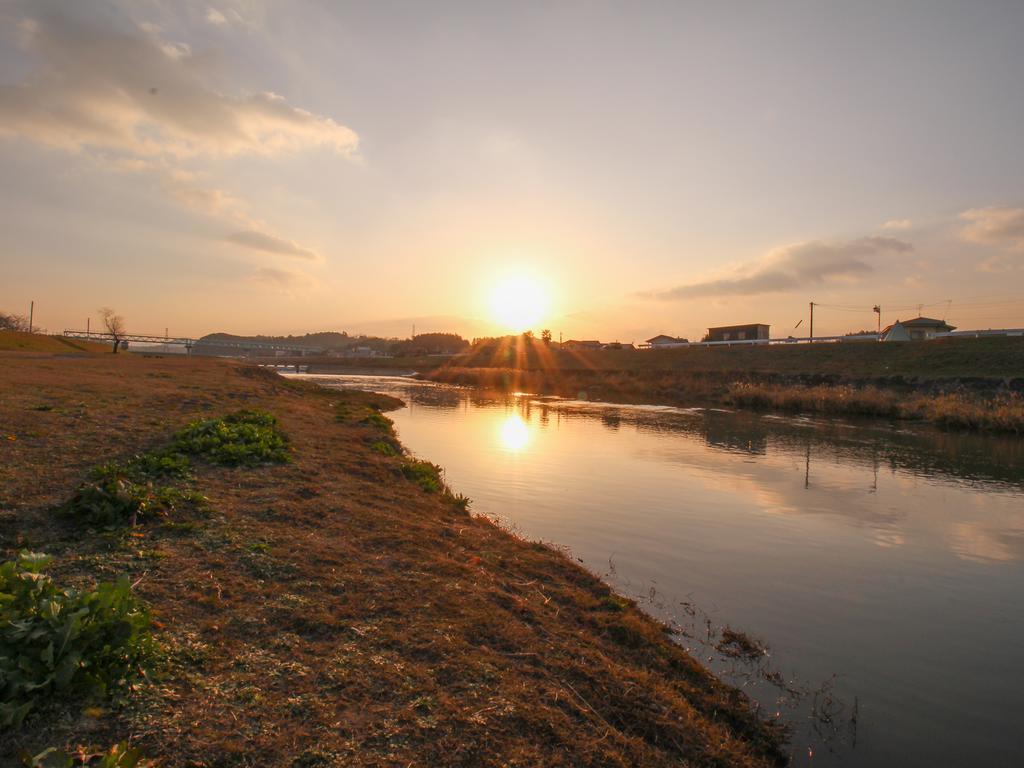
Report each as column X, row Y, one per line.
column 655, row 167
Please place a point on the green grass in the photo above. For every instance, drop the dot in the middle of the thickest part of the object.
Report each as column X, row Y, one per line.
column 118, row 501
column 426, row 475
column 244, row 438
column 148, row 484
column 58, row 642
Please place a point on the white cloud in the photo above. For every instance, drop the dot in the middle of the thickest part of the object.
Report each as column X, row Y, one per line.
column 999, row 226
column 118, row 94
column 126, row 90
column 791, row 267
column 215, row 17
column 260, row 241
column 898, row 224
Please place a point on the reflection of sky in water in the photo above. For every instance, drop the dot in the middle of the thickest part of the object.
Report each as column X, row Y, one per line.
column 891, row 557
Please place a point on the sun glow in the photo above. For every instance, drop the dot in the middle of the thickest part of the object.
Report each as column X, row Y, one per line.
column 513, row 433
column 519, row 303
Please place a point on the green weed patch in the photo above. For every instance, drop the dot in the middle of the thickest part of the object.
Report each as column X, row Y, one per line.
column 244, row 438
column 119, row 501
column 119, row 756
column 64, row 642
column 384, row 448
column 379, row 421
column 426, row 475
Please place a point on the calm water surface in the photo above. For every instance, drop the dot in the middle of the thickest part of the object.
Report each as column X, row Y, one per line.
column 887, row 563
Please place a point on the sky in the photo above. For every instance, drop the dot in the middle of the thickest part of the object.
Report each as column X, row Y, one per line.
column 642, row 168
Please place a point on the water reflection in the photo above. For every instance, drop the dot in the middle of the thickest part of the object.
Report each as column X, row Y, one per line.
column 892, row 557
column 514, row 434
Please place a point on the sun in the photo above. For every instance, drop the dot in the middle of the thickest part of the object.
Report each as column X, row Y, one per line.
column 518, row 303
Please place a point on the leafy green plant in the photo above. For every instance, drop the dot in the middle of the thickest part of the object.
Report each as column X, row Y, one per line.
column 120, row 501
column 384, row 448
column 66, row 642
column 145, row 466
column 379, row 421
column 244, row 438
column 118, row 756
column 426, row 475
column 460, row 501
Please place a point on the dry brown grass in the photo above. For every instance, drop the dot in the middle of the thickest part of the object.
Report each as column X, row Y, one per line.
column 329, row 611
column 18, row 341
column 1003, row 414
column 966, row 410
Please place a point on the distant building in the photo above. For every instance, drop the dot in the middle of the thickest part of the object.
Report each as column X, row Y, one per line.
column 663, row 341
column 749, row 332
column 617, row 345
column 576, row 344
column 918, row 329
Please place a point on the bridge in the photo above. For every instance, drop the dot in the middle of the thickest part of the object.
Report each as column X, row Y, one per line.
column 189, row 343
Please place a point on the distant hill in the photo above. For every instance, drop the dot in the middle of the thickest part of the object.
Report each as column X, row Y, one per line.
column 335, row 341
column 322, row 339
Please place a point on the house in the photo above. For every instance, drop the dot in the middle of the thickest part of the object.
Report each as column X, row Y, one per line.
column 580, row 346
column 918, row 329
column 618, row 345
column 662, row 341
column 751, row 332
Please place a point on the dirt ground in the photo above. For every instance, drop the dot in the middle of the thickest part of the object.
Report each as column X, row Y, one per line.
column 330, row 611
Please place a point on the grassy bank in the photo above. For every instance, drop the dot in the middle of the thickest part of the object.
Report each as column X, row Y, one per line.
column 984, row 358
column 975, row 384
column 18, row 341
column 317, row 597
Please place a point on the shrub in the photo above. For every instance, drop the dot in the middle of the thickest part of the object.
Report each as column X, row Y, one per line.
column 244, row 438
column 62, row 641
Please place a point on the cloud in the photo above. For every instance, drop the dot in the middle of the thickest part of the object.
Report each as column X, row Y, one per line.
column 123, row 89
column 284, row 281
column 791, row 267
column 215, row 17
column 898, row 224
column 260, row 241
column 121, row 96
column 1002, row 227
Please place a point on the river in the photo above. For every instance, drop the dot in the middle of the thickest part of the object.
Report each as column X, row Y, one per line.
column 882, row 565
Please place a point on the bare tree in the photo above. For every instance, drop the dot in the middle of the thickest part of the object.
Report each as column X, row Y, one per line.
column 10, row 322
column 114, row 324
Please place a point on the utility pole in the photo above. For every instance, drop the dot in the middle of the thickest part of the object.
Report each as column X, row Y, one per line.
column 810, row 330
column 87, row 331
column 31, row 312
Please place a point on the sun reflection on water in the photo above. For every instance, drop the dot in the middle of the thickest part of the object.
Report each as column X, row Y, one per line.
column 514, row 434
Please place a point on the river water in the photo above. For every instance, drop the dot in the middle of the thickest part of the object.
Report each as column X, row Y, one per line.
column 882, row 566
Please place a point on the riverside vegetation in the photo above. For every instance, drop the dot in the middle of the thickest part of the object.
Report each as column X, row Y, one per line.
column 316, row 597
column 973, row 384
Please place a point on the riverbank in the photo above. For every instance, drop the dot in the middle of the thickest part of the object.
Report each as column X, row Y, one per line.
column 341, row 607
column 979, row 404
